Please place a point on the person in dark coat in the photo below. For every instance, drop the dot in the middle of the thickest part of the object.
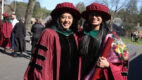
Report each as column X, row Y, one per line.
column 19, row 38
column 55, row 56
column 36, row 30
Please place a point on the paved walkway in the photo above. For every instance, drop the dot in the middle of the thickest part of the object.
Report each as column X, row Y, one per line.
column 13, row 68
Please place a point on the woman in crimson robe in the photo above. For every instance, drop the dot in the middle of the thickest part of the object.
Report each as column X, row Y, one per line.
column 5, row 32
column 55, row 56
column 92, row 43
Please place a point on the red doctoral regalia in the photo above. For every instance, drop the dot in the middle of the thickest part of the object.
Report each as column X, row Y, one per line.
column 6, row 29
column 46, row 64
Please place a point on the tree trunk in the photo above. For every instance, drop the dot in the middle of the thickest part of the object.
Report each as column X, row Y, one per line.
column 29, row 13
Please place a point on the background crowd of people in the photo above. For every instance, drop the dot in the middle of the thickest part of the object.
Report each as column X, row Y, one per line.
column 13, row 33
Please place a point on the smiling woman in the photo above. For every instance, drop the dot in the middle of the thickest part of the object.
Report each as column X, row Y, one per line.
column 98, row 40
column 66, row 20
column 55, row 55
column 95, row 20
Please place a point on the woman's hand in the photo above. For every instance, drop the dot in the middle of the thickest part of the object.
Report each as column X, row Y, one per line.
column 126, row 58
column 102, row 62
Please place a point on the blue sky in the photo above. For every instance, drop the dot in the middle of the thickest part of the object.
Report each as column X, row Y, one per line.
column 51, row 4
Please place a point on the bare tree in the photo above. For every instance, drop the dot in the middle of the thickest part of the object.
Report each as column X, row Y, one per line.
column 80, row 6
column 29, row 12
column 114, row 6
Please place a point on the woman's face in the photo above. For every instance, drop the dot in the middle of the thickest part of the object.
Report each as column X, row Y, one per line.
column 66, row 20
column 95, row 19
column 13, row 16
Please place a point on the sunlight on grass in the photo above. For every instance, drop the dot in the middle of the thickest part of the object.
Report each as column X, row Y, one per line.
column 127, row 40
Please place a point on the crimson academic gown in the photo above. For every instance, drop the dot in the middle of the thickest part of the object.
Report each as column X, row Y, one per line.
column 50, row 60
column 5, row 32
column 117, row 70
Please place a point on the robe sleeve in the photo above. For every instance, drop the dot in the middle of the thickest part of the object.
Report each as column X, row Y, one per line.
column 116, row 68
column 113, row 72
column 41, row 65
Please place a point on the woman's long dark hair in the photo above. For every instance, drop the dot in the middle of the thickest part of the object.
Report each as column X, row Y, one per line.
column 84, row 45
column 55, row 21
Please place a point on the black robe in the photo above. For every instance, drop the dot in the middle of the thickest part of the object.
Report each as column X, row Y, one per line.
column 19, row 37
column 90, row 50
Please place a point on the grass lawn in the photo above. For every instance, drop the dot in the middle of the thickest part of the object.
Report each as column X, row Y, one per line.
column 127, row 40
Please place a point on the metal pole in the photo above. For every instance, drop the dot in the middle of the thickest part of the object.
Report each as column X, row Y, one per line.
column 2, row 8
